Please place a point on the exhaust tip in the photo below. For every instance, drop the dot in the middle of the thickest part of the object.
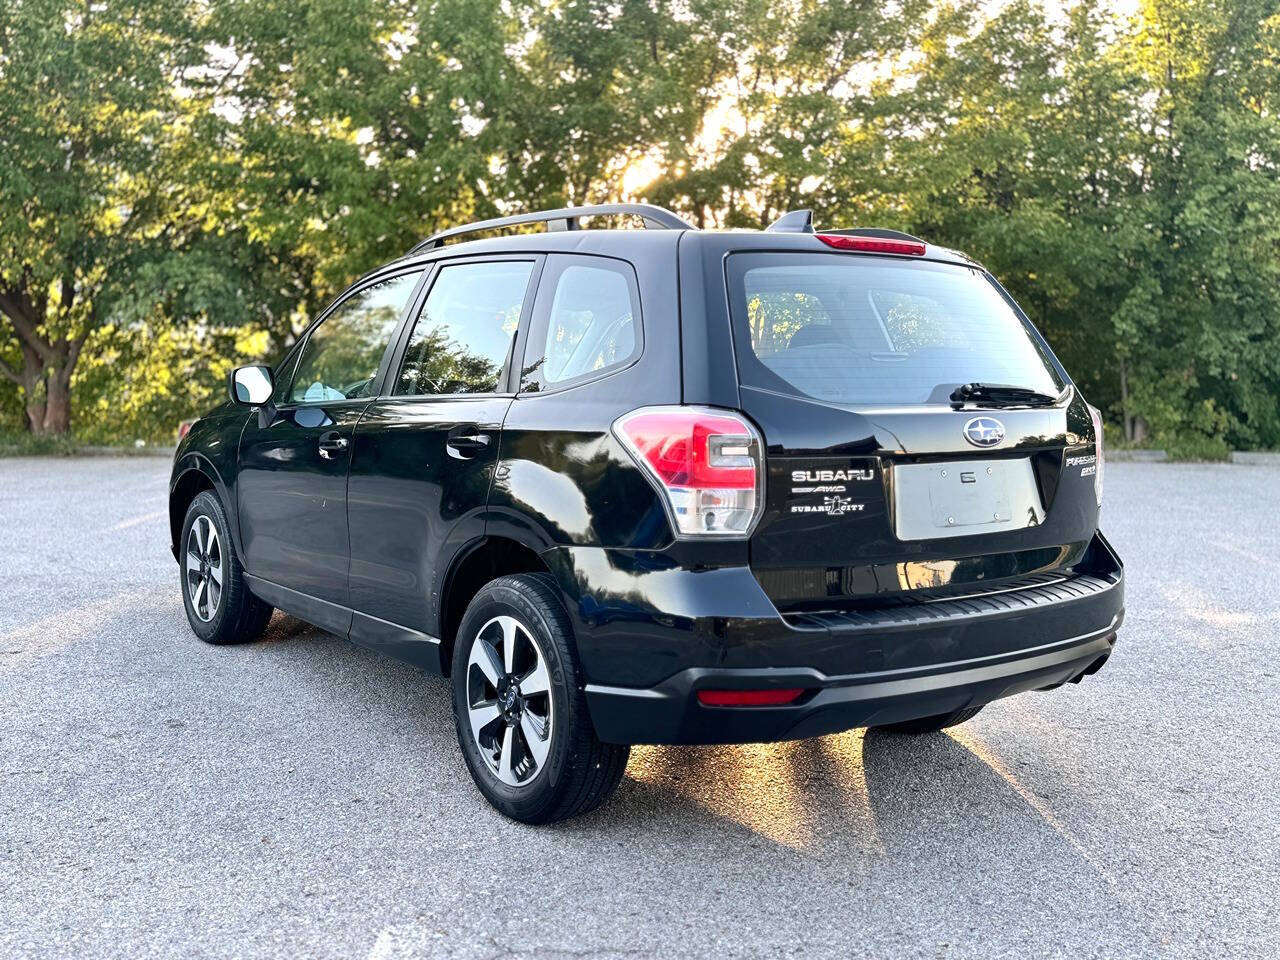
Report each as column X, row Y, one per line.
column 1097, row 665
column 1092, row 668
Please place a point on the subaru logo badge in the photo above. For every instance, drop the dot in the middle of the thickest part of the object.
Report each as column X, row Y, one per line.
column 984, row 431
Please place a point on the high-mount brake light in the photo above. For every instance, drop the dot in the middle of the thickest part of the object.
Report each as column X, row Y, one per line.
column 749, row 698
column 841, row 241
column 706, row 463
column 1096, row 415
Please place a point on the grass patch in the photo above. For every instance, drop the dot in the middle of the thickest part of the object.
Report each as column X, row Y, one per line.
column 1198, row 447
column 19, row 443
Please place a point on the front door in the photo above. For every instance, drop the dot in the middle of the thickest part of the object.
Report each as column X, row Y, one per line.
column 424, row 454
column 292, row 487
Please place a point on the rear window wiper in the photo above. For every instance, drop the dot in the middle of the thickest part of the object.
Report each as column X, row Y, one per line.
column 1002, row 395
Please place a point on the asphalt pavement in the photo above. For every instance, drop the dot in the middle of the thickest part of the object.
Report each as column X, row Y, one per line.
column 302, row 797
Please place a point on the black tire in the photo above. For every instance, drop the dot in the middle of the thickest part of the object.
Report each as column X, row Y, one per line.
column 238, row 616
column 579, row 772
column 932, row 724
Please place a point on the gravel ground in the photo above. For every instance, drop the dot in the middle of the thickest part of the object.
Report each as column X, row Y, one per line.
column 304, row 797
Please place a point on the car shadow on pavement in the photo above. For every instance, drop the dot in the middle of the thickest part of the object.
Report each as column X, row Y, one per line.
column 865, row 798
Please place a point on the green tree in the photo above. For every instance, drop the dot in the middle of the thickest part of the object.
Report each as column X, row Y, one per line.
column 602, row 84
column 353, row 128
column 1120, row 177
column 90, row 141
column 1198, row 333
column 176, row 176
column 1016, row 145
column 805, row 93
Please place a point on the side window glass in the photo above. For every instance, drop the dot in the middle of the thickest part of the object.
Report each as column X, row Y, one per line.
column 591, row 326
column 462, row 337
column 341, row 356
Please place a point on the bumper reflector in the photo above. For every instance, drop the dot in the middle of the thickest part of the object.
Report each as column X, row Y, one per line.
column 749, row 698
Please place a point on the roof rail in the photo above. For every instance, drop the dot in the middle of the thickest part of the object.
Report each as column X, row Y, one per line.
column 563, row 218
column 801, row 221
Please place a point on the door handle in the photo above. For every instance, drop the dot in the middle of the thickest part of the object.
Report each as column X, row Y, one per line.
column 466, row 441
column 332, row 444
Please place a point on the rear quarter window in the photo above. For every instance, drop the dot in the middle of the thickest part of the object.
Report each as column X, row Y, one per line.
column 875, row 330
column 586, row 322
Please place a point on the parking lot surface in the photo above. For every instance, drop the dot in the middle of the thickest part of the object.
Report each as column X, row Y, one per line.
column 304, row 797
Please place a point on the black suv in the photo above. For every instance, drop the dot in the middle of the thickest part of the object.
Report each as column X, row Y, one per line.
column 663, row 486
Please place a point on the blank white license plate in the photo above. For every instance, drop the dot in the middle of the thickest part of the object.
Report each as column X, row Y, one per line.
column 964, row 497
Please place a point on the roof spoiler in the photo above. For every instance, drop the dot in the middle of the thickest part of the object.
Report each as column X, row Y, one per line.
column 801, row 221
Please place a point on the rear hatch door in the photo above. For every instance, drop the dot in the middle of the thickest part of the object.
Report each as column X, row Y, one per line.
column 881, row 487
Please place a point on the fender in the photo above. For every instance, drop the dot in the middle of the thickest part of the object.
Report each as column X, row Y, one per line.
column 499, row 524
column 532, row 532
column 193, row 462
column 510, row 539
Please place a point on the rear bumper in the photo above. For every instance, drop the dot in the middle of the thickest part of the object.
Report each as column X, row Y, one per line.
column 644, row 667
column 671, row 713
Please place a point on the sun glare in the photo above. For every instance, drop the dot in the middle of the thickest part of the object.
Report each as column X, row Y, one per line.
column 638, row 174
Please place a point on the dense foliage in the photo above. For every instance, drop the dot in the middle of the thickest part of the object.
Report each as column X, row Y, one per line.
column 183, row 182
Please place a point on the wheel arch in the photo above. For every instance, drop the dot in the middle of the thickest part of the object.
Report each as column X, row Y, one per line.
column 191, row 477
column 478, row 563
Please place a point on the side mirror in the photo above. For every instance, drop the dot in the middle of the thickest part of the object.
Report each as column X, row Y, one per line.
column 252, row 385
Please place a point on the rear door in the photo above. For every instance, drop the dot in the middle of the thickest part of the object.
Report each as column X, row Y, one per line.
column 878, row 485
column 424, row 452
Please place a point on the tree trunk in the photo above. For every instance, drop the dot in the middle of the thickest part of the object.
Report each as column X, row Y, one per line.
column 1125, row 416
column 57, row 406
column 1135, row 426
column 45, row 380
column 47, row 361
column 35, row 417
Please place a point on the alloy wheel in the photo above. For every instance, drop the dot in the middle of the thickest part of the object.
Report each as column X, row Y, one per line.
column 509, row 700
column 204, row 564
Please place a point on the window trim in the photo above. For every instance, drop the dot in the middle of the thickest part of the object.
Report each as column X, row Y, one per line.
column 539, row 324
column 420, row 301
column 287, row 367
column 379, row 378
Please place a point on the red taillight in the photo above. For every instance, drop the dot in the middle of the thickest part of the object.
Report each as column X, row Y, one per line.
column 749, row 698
column 840, row 241
column 678, row 447
column 705, row 462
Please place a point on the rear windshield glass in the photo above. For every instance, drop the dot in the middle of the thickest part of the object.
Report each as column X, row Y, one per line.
column 870, row 330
